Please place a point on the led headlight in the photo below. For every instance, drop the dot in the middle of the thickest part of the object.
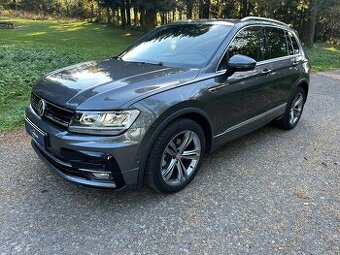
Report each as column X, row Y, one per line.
column 105, row 123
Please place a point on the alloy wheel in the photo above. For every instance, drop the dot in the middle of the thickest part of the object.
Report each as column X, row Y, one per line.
column 296, row 109
column 180, row 157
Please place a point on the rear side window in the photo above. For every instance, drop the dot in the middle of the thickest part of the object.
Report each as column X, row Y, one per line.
column 277, row 43
column 290, row 44
column 296, row 48
column 248, row 42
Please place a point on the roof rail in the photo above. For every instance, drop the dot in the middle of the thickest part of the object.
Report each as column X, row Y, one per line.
column 255, row 18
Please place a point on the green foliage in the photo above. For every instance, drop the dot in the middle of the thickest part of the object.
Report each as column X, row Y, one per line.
column 305, row 16
column 35, row 48
column 324, row 57
column 20, row 67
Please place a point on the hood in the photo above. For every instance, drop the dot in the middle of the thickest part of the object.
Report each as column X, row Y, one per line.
column 108, row 84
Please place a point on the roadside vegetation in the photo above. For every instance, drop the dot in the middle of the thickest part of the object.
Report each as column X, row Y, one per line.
column 324, row 57
column 36, row 47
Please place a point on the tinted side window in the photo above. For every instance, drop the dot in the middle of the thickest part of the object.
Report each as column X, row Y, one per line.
column 290, row 45
column 249, row 42
column 296, row 48
column 277, row 43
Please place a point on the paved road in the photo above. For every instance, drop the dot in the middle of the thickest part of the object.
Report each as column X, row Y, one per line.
column 269, row 192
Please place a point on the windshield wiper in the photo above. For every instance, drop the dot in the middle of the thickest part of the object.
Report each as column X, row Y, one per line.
column 147, row 63
column 140, row 62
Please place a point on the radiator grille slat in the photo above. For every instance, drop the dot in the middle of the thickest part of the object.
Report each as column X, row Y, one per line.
column 53, row 113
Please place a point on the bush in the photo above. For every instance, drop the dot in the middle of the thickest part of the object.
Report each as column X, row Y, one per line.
column 22, row 66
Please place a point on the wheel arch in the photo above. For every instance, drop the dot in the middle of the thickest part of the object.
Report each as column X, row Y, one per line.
column 303, row 82
column 304, row 85
column 174, row 113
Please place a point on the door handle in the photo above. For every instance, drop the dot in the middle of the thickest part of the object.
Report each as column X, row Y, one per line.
column 266, row 71
column 217, row 88
column 295, row 63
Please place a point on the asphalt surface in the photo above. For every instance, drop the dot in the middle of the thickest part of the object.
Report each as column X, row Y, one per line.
column 269, row 192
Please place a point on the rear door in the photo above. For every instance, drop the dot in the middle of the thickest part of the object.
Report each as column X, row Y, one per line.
column 280, row 64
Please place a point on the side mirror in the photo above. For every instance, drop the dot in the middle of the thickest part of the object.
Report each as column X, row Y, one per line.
column 241, row 63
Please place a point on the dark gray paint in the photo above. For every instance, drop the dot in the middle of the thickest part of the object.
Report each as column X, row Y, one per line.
column 165, row 93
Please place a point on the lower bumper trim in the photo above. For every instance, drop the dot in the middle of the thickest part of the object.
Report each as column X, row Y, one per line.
column 73, row 179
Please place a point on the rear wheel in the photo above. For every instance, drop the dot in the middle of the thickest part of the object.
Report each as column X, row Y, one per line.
column 176, row 156
column 293, row 111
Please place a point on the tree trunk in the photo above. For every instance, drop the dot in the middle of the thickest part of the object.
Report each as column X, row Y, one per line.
column 189, row 10
column 135, row 14
column 162, row 18
column 200, row 9
column 150, row 19
column 128, row 13
column 92, row 12
column 142, row 18
column 108, row 15
column 114, row 18
column 123, row 14
column 310, row 33
column 99, row 14
column 14, row 4
column 206, row 9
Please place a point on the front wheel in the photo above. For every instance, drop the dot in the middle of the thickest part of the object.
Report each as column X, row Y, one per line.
column 293, row 111
column 176, row 156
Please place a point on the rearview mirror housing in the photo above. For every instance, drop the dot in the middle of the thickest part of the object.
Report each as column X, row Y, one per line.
column 241, row 63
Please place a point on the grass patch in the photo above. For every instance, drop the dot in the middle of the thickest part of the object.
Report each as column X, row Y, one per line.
column 324, row 57
column 35, row 48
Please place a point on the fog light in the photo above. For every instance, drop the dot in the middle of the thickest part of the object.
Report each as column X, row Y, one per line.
column 102, row 176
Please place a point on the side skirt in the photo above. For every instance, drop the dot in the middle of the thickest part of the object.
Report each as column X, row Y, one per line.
column 247, row 126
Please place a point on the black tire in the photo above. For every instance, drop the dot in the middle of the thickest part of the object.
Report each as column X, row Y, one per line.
column 284, row 122
column 154, row 177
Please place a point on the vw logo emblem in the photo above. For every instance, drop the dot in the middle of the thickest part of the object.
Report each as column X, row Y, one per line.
column 41, row 107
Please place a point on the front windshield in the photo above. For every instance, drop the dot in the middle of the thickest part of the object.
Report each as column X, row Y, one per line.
column 191, row 45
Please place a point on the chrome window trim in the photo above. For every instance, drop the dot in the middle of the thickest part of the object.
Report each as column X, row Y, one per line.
column 248, row 121
column 264, row 61
column 276, row 59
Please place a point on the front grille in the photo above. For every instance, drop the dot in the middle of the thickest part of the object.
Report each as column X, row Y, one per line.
column 53, row 113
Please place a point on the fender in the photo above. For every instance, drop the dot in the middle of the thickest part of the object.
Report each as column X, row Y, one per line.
column 303, row 80
column 158, row 126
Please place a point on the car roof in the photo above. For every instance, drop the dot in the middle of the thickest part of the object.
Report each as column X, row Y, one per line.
column 246, row 21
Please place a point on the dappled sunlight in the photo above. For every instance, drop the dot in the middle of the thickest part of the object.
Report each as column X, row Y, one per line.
column 35, row 33
column 7, row 46
column 66, row 28
column 332, row 49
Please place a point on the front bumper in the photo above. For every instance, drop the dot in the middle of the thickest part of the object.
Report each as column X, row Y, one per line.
column 75, row 157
